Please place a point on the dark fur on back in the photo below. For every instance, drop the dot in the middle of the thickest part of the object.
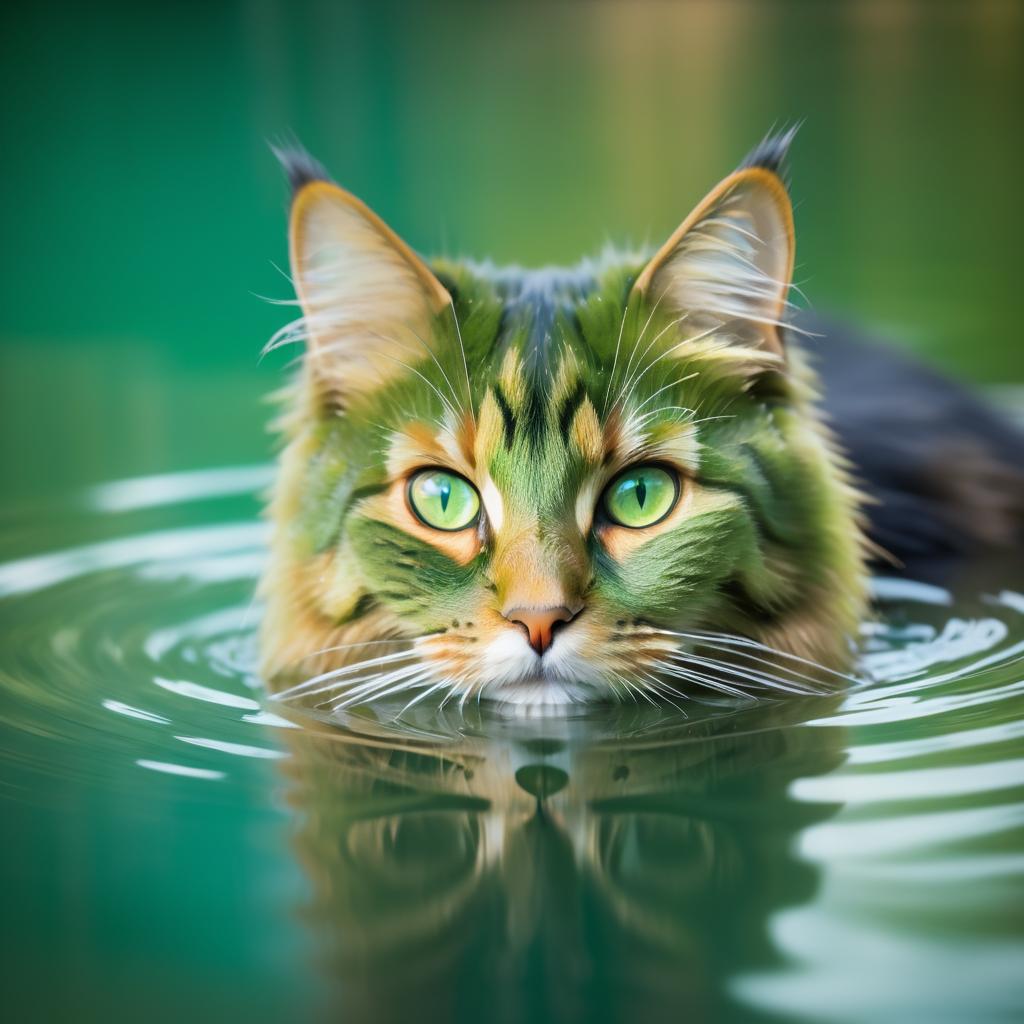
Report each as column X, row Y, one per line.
column 944, row 471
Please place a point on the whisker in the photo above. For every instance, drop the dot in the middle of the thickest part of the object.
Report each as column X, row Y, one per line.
column 363, row 684
column 447, row 379
column 792, row 673
column 309, row 686
column 662, row 690
column 783, row 674
column 426, row 693
column 635, row 688
column 613, row 680
column 448, row 696
column 615, row 358
column 363, row 643
column 700, row 336
column 630, row 382
column 678, row 671
column 462, row 349
column 468, row 690
column 665, row 387
column 405, row 679
column 768, row 680
column 742, row 641
column 430, row 384
column 633, row 351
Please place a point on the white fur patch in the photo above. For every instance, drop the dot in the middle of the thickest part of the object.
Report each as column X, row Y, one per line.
column 509, row 657
column 515, row 674
column 495, row 507
column 586, row 501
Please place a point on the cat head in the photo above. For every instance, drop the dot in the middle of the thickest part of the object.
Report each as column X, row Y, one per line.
column 551, row 483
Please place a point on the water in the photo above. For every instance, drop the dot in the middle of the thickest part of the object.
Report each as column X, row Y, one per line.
column 174, row 841
column 173, row 852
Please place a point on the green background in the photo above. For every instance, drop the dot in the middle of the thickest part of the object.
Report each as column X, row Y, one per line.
column 143, row 213
column 143, row 216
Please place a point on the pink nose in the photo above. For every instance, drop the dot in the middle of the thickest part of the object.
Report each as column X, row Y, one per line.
column 540, row 623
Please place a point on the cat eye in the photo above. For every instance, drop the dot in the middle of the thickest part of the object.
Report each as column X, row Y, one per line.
column 641, row 496
column 443, row 500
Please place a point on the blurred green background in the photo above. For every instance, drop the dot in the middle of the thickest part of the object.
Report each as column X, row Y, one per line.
column 143, row 213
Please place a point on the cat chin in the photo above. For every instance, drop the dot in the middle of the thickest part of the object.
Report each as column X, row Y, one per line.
column 542, row 692
column 517, row 676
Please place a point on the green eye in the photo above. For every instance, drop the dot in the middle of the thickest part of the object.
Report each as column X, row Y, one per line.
column 642, row 496
column 443, row 500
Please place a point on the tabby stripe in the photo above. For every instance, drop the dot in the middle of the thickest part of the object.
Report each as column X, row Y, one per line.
column 507, row 416
column 569, row 407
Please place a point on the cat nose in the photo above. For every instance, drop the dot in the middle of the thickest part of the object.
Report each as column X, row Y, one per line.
column 540, row 623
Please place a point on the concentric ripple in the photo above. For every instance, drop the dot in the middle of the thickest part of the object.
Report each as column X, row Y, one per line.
column 145, row 644
column 128, row 655
column 136, row 654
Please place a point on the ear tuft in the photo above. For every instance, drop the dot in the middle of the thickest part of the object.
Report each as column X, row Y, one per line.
column 299, row 167
column 772, row 153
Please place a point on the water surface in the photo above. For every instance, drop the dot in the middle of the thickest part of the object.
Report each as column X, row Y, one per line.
column 173, row 848
column 173, row 841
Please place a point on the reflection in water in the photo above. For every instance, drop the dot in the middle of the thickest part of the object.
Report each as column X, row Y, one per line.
column 854, row 860
column 555, row 870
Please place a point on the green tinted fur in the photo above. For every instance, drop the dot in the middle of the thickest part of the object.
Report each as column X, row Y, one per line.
column 774, row 552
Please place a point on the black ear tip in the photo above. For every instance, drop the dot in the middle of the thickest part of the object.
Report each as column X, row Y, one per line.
column 299, row 166
column 772, row 152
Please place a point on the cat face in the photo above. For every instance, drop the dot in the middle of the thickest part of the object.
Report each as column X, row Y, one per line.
column 554, row 485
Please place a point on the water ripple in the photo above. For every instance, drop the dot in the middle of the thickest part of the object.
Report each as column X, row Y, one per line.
column 128, row 663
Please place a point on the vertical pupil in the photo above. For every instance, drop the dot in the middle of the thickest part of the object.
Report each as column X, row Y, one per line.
column 641, row 491
column 446, row 493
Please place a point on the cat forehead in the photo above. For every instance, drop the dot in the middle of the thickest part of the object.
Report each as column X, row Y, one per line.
column 539, row 292
column 534, row 407
column 538, row 307
column 530, row 376
column 551, row 429
column 521, row 415
column 543, row 373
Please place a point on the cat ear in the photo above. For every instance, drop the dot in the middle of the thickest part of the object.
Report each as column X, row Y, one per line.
column 730, row 262
column 368, row 300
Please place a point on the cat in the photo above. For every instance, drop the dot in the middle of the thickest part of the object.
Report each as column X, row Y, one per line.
column 609, row 482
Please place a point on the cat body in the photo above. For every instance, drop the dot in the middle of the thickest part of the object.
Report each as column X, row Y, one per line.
column 552, row 486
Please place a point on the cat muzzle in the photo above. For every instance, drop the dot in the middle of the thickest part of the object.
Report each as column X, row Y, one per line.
column 541, row 624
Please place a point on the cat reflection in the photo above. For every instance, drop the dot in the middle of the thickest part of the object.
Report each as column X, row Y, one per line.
column 564, row 877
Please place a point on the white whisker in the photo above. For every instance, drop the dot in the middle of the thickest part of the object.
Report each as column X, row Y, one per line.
column 362, row 643
column 310, row 686
column 630, row 382
column 750, row 675
column 743, row 641
column 375, row 689
column 430, row 384
column 462, row 349
column 633, row 350
column 615, row 358
column 664, row 355
column 426, row 693
column 665, row 387
column 679, row 672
